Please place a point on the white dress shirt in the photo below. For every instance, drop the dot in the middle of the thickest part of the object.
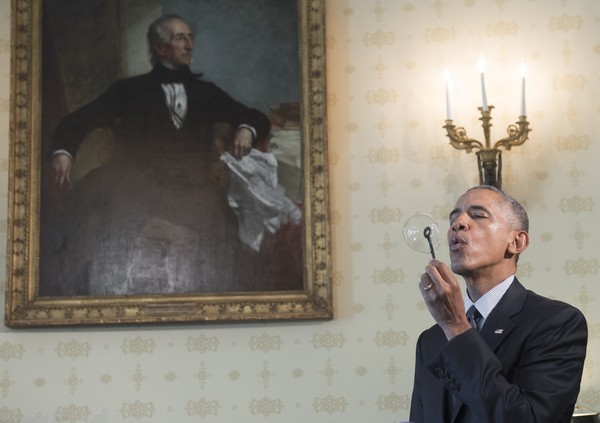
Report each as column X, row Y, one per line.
column 176, row 99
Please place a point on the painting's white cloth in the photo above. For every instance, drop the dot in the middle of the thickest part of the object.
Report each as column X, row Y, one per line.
column 256, row 198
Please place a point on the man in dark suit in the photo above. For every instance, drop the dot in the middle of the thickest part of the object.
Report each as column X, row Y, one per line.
column 519, row 357
column 153, row 219
column 169, row 98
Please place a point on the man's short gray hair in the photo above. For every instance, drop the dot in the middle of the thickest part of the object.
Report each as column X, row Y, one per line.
column 159, row 34
column 519, row 218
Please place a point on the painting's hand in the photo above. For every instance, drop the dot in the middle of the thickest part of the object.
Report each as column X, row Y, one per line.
column 242, row 142
column 443, row 298
column 61, row 170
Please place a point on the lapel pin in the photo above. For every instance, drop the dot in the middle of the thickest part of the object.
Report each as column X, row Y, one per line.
column 498, row 331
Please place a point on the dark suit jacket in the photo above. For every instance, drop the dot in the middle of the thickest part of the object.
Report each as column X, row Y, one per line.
column 524, row 366
column 135, row 109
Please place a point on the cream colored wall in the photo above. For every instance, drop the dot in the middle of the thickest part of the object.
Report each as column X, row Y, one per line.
column 389, row 159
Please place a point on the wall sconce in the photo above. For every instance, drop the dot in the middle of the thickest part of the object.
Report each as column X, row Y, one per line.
column 489, row 159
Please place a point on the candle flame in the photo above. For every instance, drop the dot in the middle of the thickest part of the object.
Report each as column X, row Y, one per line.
column 481, row 64
column 523, row 69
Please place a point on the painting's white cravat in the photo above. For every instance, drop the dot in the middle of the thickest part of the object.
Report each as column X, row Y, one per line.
column 176, row 99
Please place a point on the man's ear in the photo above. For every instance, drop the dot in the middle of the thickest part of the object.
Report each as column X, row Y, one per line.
column 519, row 243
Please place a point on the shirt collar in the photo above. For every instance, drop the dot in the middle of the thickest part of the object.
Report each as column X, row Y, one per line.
column 490, row 299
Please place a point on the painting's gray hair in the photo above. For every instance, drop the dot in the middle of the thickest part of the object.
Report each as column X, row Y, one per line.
column 158, row 33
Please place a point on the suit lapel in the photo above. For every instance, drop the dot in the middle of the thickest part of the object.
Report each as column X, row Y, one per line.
column 499, row 323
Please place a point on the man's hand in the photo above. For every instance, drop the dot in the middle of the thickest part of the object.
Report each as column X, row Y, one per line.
column 61, row 170
column 242, row 144
column 443, row 298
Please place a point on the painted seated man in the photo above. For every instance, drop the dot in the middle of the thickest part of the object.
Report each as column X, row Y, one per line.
column 151, row 219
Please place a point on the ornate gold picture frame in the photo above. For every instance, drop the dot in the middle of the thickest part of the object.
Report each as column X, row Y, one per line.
column 29, row 301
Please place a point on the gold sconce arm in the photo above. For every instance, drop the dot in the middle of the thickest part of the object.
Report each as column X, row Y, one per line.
column 459, row 138
column 517, row 134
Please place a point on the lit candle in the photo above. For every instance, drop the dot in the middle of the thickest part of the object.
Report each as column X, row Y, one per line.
column 523, row 70
column 484, row 106
column 447, row 78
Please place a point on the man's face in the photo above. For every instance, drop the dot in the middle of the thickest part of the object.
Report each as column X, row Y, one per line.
column 178, row 50
column 480, row 232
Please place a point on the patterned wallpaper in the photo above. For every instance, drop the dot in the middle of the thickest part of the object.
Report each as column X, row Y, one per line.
column 389, row 159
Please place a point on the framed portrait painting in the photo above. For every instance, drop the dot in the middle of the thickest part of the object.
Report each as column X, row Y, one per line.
column 168, row 162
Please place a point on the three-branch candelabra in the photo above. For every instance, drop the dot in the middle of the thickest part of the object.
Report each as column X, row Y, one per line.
column 489, row 159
